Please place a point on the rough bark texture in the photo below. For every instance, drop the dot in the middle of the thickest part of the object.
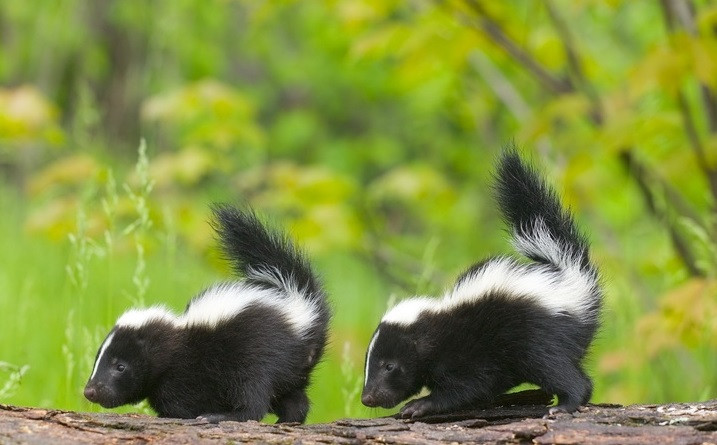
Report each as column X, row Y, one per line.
column 680, row 423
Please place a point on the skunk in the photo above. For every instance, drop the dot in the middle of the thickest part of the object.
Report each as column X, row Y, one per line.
column 505, row 322
column 240, row 350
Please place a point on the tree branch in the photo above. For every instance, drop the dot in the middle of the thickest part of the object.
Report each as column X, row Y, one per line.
column 710, row 102
column 502, row 88
column 574, row 64
column 646, row 181
column 680, row 14
column 595, row 423
column 689, row 124
column 495, row 32
column 385, row 259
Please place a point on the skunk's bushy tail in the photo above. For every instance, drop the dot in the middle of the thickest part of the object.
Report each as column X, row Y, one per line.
column 267, row 258
column 541, row 228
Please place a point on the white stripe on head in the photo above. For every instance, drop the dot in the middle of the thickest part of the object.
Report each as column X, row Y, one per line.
column 135, row 318
column 107, row 342
column 368, row 355
column 407, row 311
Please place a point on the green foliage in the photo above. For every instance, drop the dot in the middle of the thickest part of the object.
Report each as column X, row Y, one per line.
column 27, row 117
column 368, row 128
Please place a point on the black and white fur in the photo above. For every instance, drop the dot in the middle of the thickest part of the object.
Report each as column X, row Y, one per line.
column 240, row 350
column 505, row 322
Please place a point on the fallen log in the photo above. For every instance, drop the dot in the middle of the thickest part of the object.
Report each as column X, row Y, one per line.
column 677, row 423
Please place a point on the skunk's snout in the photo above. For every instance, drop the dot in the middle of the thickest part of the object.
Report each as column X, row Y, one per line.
column 96, row 392
column 102, row 394
column 91, row 393
column 377, row 396
column 369, row 400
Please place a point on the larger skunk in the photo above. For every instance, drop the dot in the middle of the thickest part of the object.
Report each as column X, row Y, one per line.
column 241, row 349
column 505, row 321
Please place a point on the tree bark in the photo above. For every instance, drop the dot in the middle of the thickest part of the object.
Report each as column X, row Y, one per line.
column 679, row 423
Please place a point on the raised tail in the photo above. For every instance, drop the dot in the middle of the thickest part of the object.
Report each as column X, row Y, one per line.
column 541, row 228
column 267, row 258
column 544, row 231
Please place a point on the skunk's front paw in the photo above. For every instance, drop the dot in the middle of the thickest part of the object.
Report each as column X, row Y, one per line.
column 417, row 408
column 213, row 418
column 556, row 411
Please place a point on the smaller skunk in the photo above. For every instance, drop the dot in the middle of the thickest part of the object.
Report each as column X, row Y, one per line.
column 505, row 322
column 240, row 350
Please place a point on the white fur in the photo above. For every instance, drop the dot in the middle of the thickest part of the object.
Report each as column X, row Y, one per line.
column 224, row 301
column 563, row 286
column 569, row 289
column 273, row 276
column 134, row 318
column 368, row 356
column 107, row 342
column 407, row 311
column 541, row 243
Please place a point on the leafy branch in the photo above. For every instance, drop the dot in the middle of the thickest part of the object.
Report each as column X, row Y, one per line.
column 648, row 181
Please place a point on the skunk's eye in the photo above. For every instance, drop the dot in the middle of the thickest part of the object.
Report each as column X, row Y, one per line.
column 389, row 367
column 120, row 367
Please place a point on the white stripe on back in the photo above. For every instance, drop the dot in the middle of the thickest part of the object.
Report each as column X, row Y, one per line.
column 224, row 301
column 567, row 288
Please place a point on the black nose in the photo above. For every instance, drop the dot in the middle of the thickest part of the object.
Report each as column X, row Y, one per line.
column 368, row 400
column 90, row 393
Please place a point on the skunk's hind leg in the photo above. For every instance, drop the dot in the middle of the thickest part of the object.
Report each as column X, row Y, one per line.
column 570, row 384
column 292, row 407
column 242, row 414
column 253, row 404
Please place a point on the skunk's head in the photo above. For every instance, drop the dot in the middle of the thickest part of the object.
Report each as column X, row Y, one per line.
column 396, row 354
column 138, row 348
column 393, row 370
column 121, row 369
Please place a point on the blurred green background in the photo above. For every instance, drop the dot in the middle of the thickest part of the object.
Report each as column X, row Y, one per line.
column 368, row 129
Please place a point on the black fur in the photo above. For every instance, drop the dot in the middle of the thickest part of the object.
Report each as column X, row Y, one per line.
column 241, row 369
column 247, row 245
column 481, row 348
